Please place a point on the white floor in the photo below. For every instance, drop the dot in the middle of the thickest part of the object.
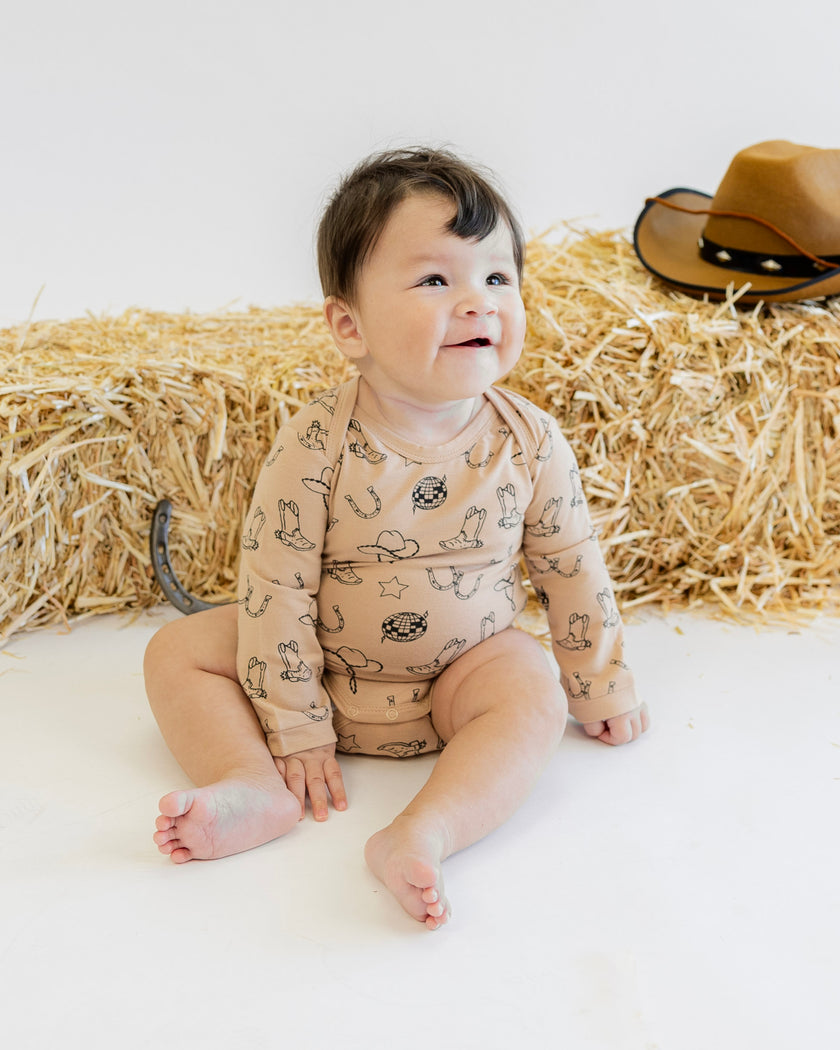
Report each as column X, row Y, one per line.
column 678, row 894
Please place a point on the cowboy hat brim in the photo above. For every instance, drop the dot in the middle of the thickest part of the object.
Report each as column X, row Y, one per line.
column 408, row 551
column 666, row 244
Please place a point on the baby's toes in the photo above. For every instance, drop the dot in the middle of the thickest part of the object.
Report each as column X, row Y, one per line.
column 434, row 922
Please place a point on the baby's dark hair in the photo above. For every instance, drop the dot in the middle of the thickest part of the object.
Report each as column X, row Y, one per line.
column 365, row 199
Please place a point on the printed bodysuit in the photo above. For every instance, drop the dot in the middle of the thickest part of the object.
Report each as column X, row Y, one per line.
column 370, row 563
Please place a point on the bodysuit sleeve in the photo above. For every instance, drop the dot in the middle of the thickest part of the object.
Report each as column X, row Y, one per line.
column 279, row 659
column 568, row 571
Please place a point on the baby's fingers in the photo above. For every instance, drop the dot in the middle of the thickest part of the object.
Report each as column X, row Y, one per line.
column 335, row 783
column 294, row 774
column 626, row 728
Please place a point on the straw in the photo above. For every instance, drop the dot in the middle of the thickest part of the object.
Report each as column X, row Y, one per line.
column 707, row 435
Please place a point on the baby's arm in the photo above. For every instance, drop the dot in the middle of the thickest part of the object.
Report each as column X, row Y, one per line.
column 279, row 658
column 568, row 570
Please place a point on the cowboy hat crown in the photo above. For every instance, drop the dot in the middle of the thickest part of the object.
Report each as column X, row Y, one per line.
column 774, row 221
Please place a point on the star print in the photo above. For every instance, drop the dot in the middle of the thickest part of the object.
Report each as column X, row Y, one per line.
column 348, row 743
column 392, row 588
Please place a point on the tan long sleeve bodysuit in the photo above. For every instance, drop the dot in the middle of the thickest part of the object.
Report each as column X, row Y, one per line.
column 370, row 563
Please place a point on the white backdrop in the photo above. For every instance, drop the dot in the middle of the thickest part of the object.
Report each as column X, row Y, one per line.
column 174, row 155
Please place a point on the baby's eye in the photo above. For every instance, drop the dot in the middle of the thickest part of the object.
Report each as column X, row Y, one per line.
column 497, row 279
column 434, row 280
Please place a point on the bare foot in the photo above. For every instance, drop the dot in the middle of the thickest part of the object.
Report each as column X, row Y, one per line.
column 406, row 858
column 227, row 817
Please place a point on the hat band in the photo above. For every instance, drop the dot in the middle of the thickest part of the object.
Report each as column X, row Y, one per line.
column 761, row 263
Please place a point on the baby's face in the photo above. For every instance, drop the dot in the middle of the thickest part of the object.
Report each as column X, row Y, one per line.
column 441, row 318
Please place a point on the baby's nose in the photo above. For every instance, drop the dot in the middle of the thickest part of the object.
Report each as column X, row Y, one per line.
column 478, row 303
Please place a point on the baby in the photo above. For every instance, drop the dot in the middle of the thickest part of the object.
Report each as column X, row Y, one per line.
column 380, row 579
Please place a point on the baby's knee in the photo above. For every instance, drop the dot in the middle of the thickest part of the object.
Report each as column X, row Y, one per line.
column 509, row 675
column 203, row 642
column 164, row 650
column 556, row 709
column 539, row 696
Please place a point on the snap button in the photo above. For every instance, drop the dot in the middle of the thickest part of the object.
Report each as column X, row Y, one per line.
column 392, row 713
column 352, row 710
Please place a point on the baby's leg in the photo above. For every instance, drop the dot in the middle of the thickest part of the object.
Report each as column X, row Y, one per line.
column 209, row 724
column 503, row 713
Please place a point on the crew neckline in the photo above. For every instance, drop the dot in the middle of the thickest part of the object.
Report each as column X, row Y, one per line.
column 456, row 446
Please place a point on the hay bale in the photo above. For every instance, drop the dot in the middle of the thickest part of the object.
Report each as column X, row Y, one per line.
column 707, row 437
column 101, row 417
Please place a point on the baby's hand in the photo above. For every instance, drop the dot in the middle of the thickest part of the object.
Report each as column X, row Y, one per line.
column 621, row 729
column 314, row 773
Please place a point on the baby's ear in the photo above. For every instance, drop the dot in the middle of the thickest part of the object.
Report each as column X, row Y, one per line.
column 343, row 327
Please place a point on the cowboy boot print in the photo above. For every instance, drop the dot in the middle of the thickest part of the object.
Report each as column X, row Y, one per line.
column 250, row 541
column 296, row 669
column 547, row 525
column 448, row 653
column 577, row 487
column 360, row 447
column 253, row 684
column 315, row 437
column 467, row 538
column 290, row 533
column 401, row 750
column 511, row 516
column 576, row 640
column 608, row 607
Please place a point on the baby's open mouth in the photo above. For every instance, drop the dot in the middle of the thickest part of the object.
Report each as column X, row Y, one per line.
column 474, row 342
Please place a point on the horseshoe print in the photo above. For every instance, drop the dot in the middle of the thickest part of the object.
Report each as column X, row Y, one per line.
column 308, row 620
column 457, row 585
column 377, row 504
column 339, row 620
column 582, row 688
column 546, row 449
column 477, row 466
column 455, row 582
column 553, row 565
column 246, row 601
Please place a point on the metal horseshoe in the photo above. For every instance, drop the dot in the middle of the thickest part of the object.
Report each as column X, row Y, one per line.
column 162, row 565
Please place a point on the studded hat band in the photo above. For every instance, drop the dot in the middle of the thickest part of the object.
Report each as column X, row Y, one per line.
column 802, row 264
column 760, row 263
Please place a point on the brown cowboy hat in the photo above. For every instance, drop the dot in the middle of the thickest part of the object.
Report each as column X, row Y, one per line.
column 774, row 222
